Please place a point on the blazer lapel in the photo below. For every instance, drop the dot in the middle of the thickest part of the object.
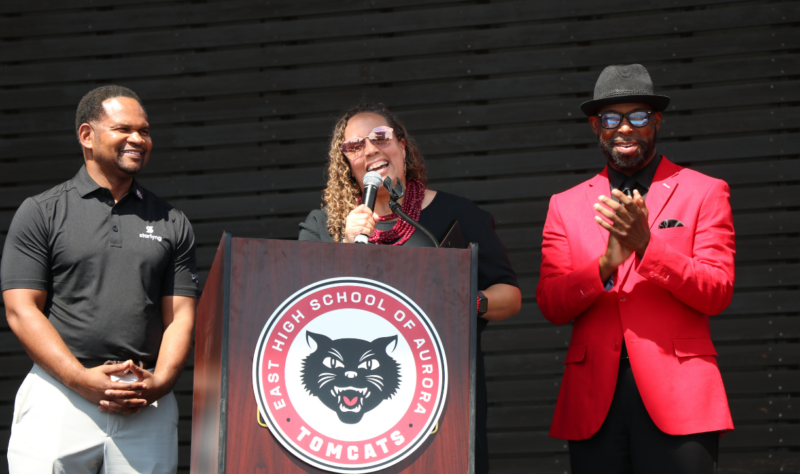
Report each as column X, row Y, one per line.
column 665, row 182
column 661, row 190
column 594, row 188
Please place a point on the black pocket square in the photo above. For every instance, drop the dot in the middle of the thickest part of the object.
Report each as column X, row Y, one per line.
column 666, row 224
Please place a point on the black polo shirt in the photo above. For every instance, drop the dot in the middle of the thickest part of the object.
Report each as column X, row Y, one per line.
column 105, row 266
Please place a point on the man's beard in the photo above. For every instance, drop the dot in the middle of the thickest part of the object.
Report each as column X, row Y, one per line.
column 622, row 162
column 129, row 169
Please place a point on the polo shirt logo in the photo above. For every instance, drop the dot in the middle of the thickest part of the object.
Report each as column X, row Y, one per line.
column 149, row 234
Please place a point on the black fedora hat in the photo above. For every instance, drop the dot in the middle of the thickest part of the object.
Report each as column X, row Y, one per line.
column 620, row 84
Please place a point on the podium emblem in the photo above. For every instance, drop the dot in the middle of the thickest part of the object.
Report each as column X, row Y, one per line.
column 350, row 375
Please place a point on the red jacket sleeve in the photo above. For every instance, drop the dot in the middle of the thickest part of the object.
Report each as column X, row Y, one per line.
column 563, row 291
column 703, row 281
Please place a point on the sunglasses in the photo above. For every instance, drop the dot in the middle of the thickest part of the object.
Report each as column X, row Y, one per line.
column 379, row 136
column 613, row 119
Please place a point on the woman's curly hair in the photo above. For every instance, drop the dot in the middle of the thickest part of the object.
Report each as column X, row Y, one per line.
column 342, row 193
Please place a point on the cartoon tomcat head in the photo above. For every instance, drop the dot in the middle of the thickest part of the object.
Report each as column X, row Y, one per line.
column 351, row 376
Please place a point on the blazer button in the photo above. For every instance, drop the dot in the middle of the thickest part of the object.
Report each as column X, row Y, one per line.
column 615, row 346
column 115, row 228
column 623, row 299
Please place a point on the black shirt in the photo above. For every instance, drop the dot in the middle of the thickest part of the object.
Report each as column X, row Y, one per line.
column 641, row 179
column 476, row 225
column 105, row 266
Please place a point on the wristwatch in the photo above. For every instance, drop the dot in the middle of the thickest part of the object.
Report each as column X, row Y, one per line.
column 483, row 303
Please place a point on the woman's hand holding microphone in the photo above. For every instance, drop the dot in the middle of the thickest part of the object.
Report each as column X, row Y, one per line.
column 361, row 220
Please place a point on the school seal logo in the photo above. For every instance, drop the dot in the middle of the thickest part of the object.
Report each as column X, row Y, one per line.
column 350, row 375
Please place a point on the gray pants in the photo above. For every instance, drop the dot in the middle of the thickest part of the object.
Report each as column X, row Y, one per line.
column 55, row 430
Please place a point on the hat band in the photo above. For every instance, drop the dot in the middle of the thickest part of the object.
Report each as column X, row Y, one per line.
column 618, row 93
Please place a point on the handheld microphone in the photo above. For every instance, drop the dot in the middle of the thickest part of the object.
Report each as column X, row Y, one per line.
column 372, row 181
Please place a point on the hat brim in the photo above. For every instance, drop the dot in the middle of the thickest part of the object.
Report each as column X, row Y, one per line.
column 659, row 102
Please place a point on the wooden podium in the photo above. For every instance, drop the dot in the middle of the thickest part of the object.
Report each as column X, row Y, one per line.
column 250, row 278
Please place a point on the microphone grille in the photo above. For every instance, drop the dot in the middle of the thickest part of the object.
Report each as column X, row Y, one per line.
column 373, row 179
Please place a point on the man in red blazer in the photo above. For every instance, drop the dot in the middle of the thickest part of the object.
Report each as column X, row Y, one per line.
column 638, row 258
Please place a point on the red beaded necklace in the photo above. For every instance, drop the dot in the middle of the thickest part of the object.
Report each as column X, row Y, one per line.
column 402, row 230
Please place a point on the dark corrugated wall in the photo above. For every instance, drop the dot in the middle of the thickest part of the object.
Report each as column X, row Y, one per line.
column 242, row 96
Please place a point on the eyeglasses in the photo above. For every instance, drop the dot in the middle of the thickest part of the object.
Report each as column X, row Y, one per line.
column 613, row 119
column 379, row 136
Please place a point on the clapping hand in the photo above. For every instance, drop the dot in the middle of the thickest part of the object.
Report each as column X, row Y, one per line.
column 629, row 230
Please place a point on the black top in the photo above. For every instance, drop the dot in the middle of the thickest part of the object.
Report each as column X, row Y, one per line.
column 476, row 225
column 641, row 180
column 105, row 266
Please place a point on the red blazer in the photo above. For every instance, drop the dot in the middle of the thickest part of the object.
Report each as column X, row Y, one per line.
column 659, row 304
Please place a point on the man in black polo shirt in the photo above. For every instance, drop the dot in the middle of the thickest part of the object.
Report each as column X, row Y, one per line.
column 98, row 279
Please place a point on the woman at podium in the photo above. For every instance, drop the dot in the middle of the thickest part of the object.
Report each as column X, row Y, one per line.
column 370, row 137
